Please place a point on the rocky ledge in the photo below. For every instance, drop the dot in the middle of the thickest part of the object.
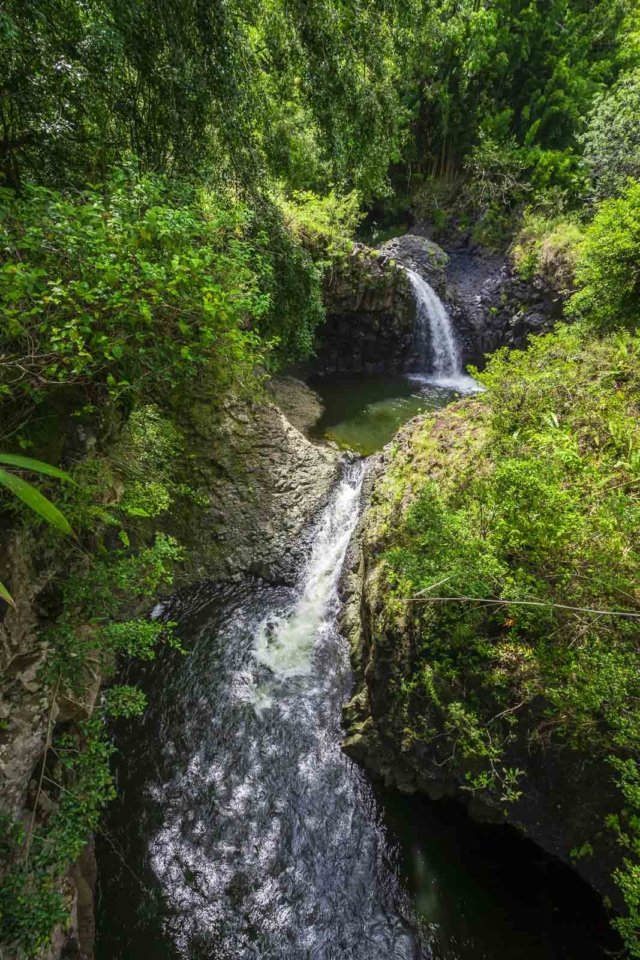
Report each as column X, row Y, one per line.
column 264, row 481
column 566, row 795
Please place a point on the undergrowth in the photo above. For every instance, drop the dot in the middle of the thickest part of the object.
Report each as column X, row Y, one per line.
column 115, row 567
column 517, row 569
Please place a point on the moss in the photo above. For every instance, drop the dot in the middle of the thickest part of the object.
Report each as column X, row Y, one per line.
column 523, row 508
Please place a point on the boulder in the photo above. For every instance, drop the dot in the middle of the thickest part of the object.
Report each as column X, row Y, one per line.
column 420, row 255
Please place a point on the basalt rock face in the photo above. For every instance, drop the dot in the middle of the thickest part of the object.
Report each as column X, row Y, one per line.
column 489, row 304
column 264, row 479
column 492, row 307
column 422, row 256
column 371, row 307
column 566, row 795
column 370, row 316
column 301, row 405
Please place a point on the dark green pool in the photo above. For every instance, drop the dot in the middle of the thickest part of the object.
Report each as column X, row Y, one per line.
column 363, row 411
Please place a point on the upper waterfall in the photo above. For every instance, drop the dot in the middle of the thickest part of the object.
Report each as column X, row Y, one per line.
column 435, row 339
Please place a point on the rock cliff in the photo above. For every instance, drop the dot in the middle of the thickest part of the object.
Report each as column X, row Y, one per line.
column 260, row 482
column 566, row 795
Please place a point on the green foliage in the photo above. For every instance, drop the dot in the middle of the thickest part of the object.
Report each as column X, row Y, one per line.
column 130, row 289
column 626, row 827
column 30, row 901
column 611, row 142
column 32, row 497
column 4, row 593
column 505, row 69
column 95, row 596
column 26, row 492
column 35, row 500
column 496, row 169
column 608, row 265
column 547, row 248
column 327, row 223
column 124, row 701
column 137, row 638
column 293, row 89
column 497, row 93
column 127, row 289
column 500, row 574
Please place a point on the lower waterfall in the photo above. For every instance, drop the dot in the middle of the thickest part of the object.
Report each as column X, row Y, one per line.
column 243, row 832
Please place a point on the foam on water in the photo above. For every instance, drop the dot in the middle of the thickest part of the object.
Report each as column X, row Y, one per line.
column 285, row 643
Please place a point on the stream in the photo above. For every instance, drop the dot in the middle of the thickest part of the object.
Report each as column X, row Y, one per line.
column 242, row 831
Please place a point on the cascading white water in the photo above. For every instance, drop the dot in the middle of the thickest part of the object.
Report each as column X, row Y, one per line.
column 435, row 339
column 284, row 644
column 257, row 838
column 431, row 313
column 271, row 845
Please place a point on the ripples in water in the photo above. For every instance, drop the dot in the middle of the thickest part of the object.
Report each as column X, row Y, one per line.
column 243, row 831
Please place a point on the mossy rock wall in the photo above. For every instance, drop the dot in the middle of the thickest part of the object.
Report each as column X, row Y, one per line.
column 567, row 794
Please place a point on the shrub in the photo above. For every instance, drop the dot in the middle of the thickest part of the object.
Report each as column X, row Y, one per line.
column 129, row 288
column 611, row 142
column 608, row 265
column 547, row 249
column 529, row 533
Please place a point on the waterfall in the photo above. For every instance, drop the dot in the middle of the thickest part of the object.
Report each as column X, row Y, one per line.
column 431, row 312
column 266, row 840
column 435, row 339
column 285, row 643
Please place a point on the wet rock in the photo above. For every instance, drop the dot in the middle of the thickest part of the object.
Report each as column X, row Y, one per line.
column 299, row 403
column 492, row 307
column 420, row 255
column 24, row 699
column 370, row 316
column 264, row 482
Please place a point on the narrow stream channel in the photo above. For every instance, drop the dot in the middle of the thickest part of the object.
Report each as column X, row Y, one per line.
column 242, row 830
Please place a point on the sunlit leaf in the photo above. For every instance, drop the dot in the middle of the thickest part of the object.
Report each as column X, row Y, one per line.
column 34, row 499
column 4, row 593
column 38, row 466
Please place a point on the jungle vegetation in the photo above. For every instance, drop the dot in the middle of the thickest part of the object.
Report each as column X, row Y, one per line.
column 175, row 178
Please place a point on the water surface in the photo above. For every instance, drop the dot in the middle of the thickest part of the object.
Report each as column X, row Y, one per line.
column 363, row 412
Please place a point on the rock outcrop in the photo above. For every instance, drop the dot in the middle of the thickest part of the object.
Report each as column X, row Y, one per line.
column 301, row 405
column 567, row 795
column 420, row 255
column 489, row 304
column 371, row 309
column 265, row 481
column 371, row 305
column 370, row 316
column 492, row 307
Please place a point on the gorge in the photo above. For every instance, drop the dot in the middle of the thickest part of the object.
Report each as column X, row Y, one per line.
column 319, row 479
column 246, row 831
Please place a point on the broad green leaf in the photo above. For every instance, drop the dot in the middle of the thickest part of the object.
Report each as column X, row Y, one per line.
column 4, row 593
column 38, row 466
column 34, row 499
